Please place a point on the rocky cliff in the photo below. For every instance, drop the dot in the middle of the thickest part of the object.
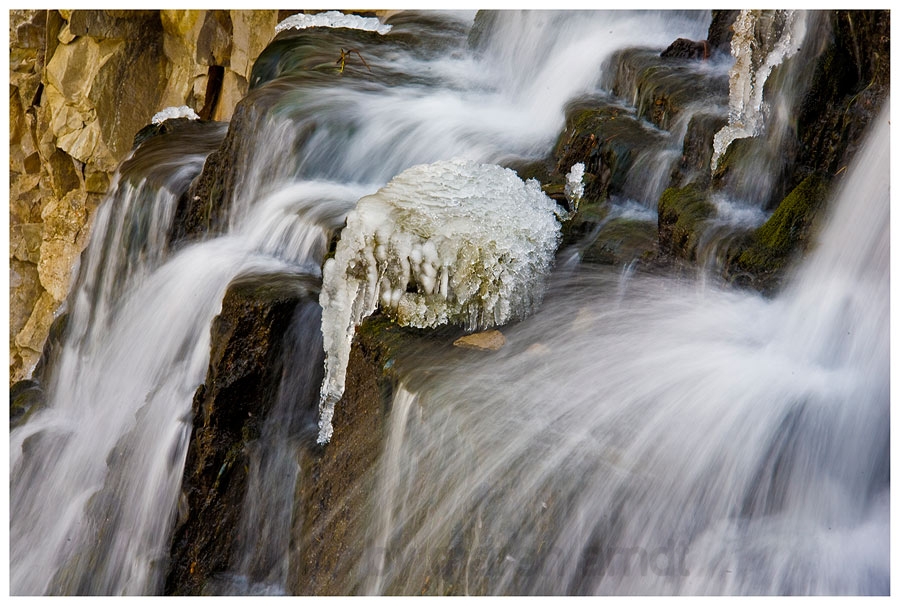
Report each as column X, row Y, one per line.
column 82, row 83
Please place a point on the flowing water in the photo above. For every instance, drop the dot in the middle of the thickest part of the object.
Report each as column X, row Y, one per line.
column 637, row 435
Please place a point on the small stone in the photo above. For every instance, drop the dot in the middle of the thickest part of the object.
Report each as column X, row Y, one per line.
column 489, row 340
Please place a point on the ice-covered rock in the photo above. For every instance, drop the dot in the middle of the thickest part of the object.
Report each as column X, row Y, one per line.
column 174, row 112
column 333, row 19
column 452, row 242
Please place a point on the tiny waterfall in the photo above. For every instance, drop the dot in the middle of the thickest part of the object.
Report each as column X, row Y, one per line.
column 638, row 435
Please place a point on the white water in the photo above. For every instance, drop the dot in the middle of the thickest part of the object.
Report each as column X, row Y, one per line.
column 95, row 475
column 656, row 437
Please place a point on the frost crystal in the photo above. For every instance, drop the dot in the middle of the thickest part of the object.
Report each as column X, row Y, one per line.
column 174, row 112
column 575, row 185
column 333, row 19
column 754, row 60
column 451, row 242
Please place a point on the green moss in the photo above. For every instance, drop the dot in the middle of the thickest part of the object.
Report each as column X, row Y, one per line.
column 786, row 233
column 681, row 213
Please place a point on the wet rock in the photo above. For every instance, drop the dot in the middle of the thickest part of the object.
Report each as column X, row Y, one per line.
column 680, row 217
column 228, row 410
column 759, row 262
column 663, row 90
column 606, row 138
column 683, row 48
column 697, row 149
column 337, row 481
column 851, row 82
column 25, row 397
column 720, row 30
column 488, row 340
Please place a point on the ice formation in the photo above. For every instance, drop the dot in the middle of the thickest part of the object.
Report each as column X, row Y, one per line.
column 754, row 61
column 333, row 19
column 575, row 185
column 452, row 242
column 174, row 112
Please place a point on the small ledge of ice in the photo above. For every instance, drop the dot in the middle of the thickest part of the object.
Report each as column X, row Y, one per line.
column 333, row 19
column 174, row 112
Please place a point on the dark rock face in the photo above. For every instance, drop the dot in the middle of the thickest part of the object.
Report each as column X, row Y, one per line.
column 720, row 31
column 852, row 79
column 204, row 208
column 228, row 410
column 683, row 48
column 331, row 505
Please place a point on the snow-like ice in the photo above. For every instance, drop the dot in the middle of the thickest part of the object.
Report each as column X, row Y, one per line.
column 333, row 19
column 451, row 242
column 174, row 112
column 575, row 185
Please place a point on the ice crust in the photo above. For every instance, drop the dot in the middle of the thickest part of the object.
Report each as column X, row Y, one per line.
column 174, row 112
column 451, row 242
column 754, row 62
column 333, row 19
column 575, row 185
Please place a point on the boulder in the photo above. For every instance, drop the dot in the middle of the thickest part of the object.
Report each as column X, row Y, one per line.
column 683, row 48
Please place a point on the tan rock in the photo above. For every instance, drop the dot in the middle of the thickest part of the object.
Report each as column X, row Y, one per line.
column 24, row 292
column 73, row 67
column 25, row 242
column 36, row 329
column 234, row 87
column 489, row 340
column 64, row 221
column 252, row 31
column 65, row 34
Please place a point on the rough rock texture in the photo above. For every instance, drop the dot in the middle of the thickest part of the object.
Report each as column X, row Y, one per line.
column 82, row 83
column 228, row 411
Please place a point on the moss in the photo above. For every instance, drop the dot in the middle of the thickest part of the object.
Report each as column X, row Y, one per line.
column 681, row 213
column 787, row 232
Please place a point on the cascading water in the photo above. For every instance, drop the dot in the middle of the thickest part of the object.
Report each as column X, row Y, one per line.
column 631, row 416
column 653, row 438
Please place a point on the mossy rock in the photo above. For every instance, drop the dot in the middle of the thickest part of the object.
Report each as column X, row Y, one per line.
column 768, row 251
column 606, row 138
column 662, row 88
column 621, row 241
column 682, row 212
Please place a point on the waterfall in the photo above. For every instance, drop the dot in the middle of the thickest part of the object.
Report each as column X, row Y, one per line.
column 638, row 434
column 659, row 440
